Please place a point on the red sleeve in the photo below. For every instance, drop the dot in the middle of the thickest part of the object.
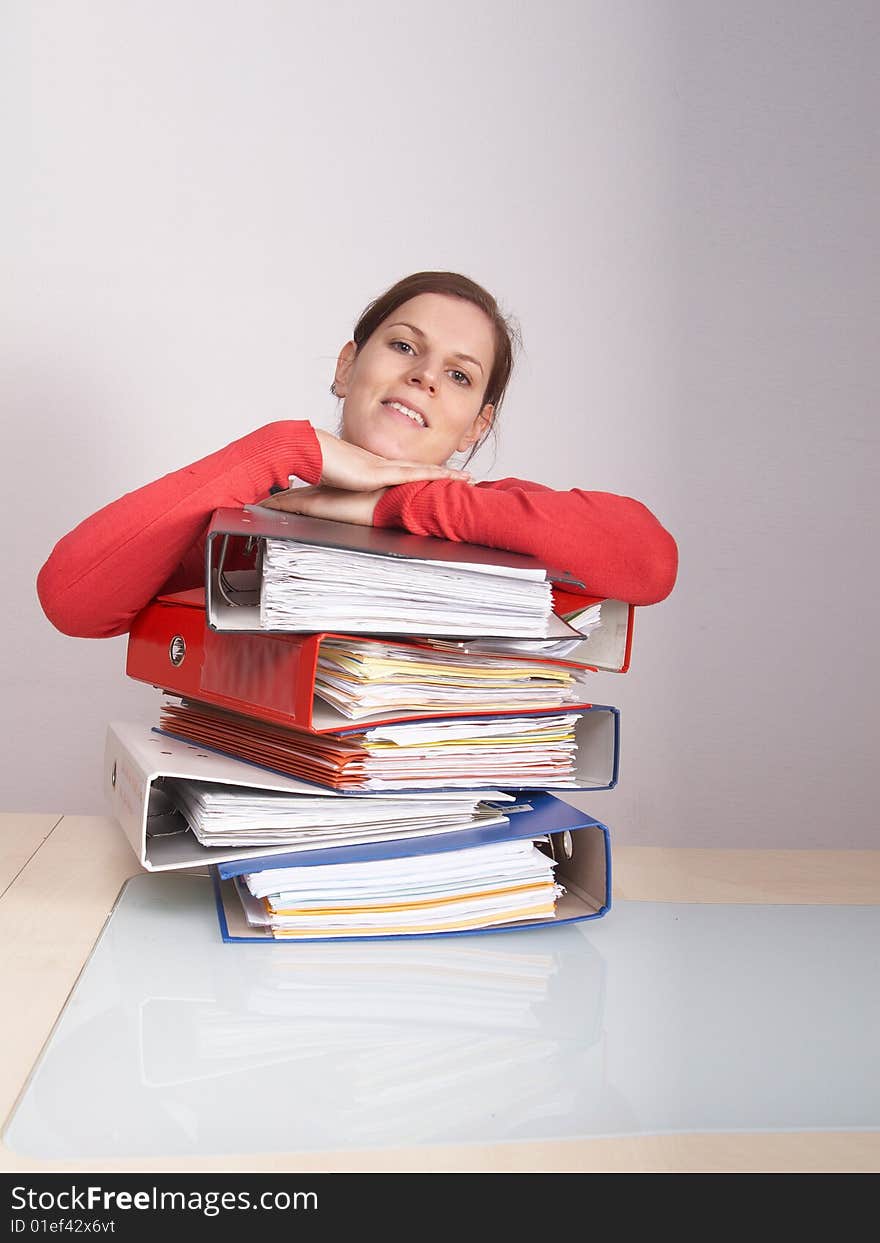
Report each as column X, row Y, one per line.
column 613, row 544
column 109, row 567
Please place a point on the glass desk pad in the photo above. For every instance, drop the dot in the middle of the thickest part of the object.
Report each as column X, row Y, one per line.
column 659, row 1018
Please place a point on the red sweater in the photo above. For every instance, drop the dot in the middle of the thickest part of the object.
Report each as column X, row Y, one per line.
column 153, row 540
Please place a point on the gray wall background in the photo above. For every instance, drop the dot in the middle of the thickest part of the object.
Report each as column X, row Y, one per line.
column 679, row 202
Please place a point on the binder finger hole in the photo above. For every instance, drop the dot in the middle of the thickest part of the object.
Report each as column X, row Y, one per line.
column 177, row 650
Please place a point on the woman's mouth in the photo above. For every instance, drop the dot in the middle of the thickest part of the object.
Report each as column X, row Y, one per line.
column 406, row 412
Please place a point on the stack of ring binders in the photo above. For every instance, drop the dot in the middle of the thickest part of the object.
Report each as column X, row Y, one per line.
column 359, row 784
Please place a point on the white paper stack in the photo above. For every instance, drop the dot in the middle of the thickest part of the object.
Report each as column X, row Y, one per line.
column 480, row 887
column 516, row 751
column 309, row 587
column 228, row 815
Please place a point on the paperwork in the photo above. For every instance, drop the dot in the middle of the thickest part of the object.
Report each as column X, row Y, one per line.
column 309, row 587
column 223, row 815
column 360, row 679
column 460, row 890
column 529, row 752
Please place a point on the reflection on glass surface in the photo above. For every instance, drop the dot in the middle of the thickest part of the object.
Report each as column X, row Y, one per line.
column 175, row 1042
column 661, row 1017
column 386, row 1038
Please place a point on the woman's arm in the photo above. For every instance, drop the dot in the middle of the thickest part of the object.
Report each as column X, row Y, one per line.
column 104, row 572
column 109, row 567
column 613, row 544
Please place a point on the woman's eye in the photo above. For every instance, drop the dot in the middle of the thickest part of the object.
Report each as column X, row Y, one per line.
column 460, row 378
column 403, row 347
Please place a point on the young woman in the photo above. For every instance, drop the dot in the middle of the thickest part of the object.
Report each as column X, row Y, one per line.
column 422, row 379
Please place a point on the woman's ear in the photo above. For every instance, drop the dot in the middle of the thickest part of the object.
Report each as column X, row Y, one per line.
column 344, row 364
column 479, row 428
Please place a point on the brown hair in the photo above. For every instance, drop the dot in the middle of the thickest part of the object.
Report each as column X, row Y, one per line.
column 454, row 286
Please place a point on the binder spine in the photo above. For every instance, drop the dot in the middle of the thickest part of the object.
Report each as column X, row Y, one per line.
column 165, row 648
column 270, row 677
column 127, row 790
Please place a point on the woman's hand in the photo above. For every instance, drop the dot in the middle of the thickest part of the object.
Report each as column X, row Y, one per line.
column 338, row 504
column 353, row 481
column 357, row 470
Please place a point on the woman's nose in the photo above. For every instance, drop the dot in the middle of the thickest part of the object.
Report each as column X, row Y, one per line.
column 423, row 375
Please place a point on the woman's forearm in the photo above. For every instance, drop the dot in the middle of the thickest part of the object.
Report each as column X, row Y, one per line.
column 612, row 543
column 100, row 575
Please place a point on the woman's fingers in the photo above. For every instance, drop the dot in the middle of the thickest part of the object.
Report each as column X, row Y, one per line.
column 406, row 472
column 313, row 498
column 321, row 502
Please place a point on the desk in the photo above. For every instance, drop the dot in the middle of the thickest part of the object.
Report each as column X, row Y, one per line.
column 77, row 865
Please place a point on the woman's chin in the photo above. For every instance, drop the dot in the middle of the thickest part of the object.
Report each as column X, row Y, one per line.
column 397, row 446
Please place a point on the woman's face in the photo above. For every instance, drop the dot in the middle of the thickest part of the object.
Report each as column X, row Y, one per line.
column 414, row 390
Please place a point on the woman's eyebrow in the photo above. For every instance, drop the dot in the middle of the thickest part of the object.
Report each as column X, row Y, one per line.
column 467, row 358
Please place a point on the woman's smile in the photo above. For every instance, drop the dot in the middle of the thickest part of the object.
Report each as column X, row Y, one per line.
column 400, row 409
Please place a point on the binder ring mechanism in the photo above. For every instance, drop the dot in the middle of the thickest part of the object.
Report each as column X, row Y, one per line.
column 227, row 591
column 566, row 846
